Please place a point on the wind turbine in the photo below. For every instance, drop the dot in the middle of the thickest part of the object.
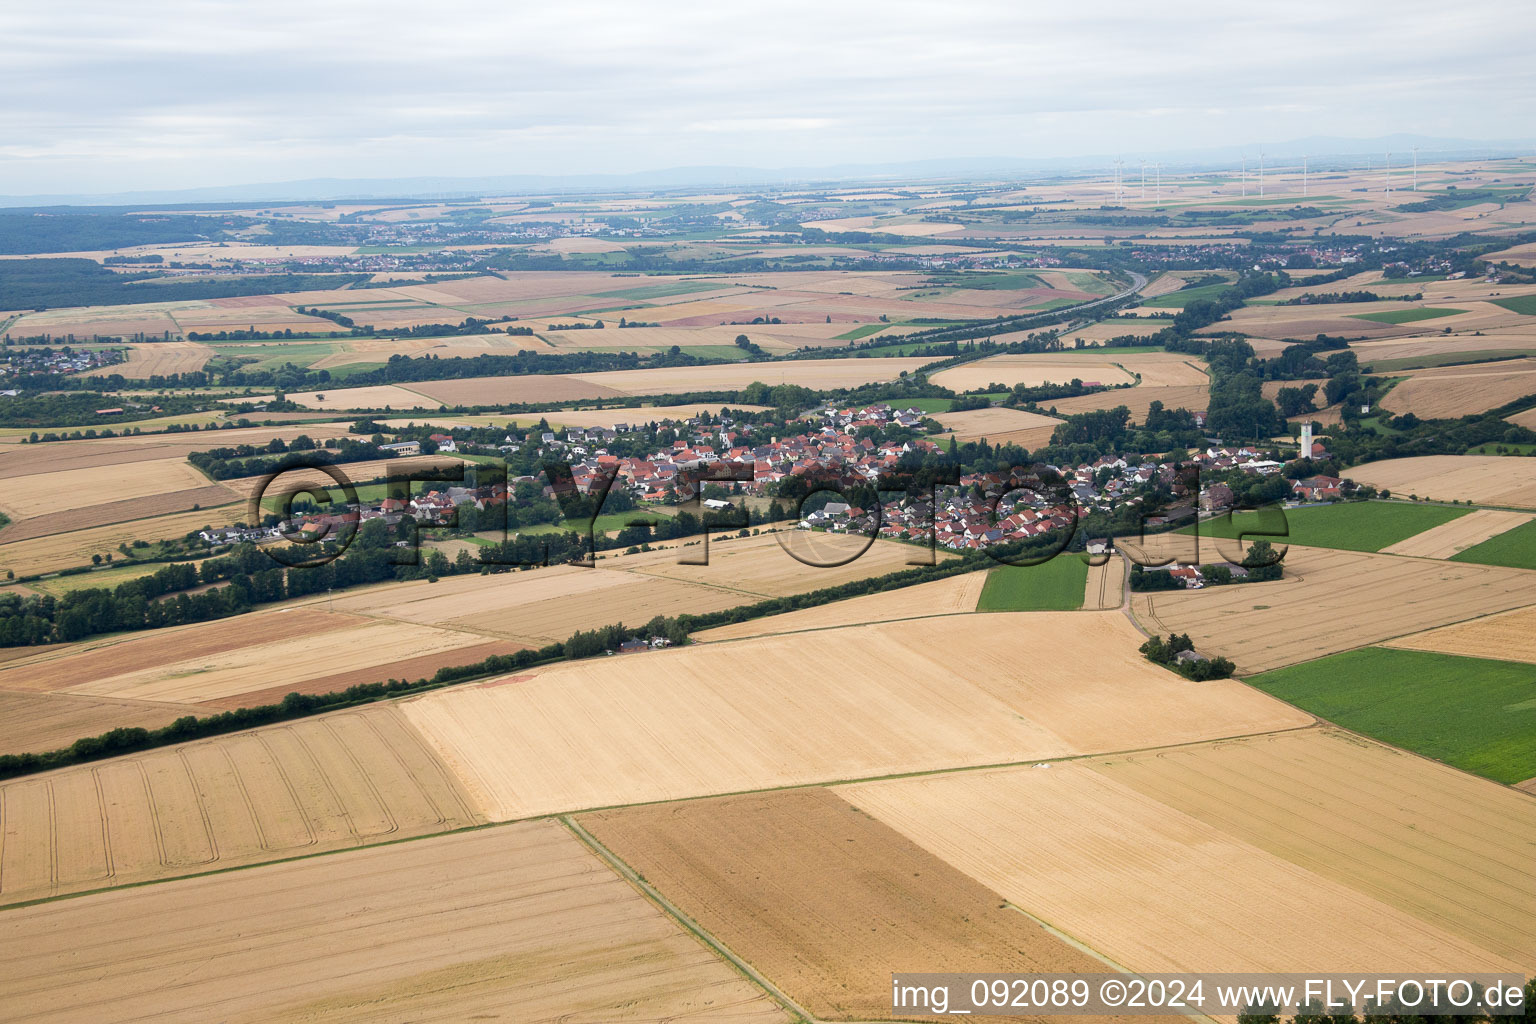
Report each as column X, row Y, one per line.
column 1261, row 172
column 1143, row 180
column 1415, row 168
column 1159, row 182
column 1389, row 173
column 1245, row 176
column 1118, row 163
column 1303, row 174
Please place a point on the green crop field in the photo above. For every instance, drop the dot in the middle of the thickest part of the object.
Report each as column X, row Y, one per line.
column 1180, row 299
column 1351, row 526
column 1407, row 316
column 1515, row 548
column 1525, row 305
column 1053, row 586
column 1474, row 713
column 659, row 291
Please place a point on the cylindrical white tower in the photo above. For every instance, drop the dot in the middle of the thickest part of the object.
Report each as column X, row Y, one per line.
column 1306, row 440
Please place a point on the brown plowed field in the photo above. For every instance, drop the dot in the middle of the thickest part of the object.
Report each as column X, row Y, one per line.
column 520, row 922
column 1331, row 601
column 1151, row 887
column 320, row 783
column 1483, row 479
column 820, row 706
column 1509, row 637
column 1459, row 534
column 824, row 900
column 1426, row 839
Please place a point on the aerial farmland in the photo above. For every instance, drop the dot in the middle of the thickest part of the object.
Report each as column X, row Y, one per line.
column 708, row 517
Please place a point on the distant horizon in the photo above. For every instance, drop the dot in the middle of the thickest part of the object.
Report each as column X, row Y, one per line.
column 144, row 98
column 1323, row 154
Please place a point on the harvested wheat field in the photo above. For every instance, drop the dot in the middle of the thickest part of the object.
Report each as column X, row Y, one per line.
column 952, row 596
column 44, row 494
column 37, row 722
column 325, row 783
column 1507, row 637
column 157, row 359
column 812, row 373
column 1106, row 585
column 510, row 390
column 63, row 666
column 1032, row 370
column 357, row 472
column 1447, row 848
column 824, row 900
column 66, row 550
column 89, row 517
column 1147, row 885
column 1482, row 479
column 1137, row 400
column 540, row 606
column 777, row 564
column 1447, row 392
column 458, row 927
column 1000, row 426
column 55, row 456
column 1331, row 601
column 1459, row 534
column 380, row 396
column 369, row 651
column 917, row 695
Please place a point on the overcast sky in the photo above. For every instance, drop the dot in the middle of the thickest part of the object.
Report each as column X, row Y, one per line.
column 108, row 97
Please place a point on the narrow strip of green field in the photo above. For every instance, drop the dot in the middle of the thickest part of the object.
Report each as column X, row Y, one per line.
column 863, row 331
column 660, row 291
column 1525, row 305
column 1515, row 548
column 1407, row 316
column 1474, row 713
column 1053, row 586
column 1350, row 526
column 1491, row 355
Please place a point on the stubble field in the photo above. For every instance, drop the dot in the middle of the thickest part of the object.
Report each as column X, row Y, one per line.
column 1452, row 391
column 824, row 900
column 1331, row 601
column 952, row 596
column 926, row 693
column 1482, row 479
column 1459, row 534
column 451, row 928
column 1510, row 636
column 323, row 783
column 1149, row 886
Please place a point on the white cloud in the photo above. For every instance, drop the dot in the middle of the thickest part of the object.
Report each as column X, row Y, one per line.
column 109, row 97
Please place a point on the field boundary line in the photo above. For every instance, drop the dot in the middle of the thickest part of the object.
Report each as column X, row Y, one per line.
column 687, row 923
column 1083, row 947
